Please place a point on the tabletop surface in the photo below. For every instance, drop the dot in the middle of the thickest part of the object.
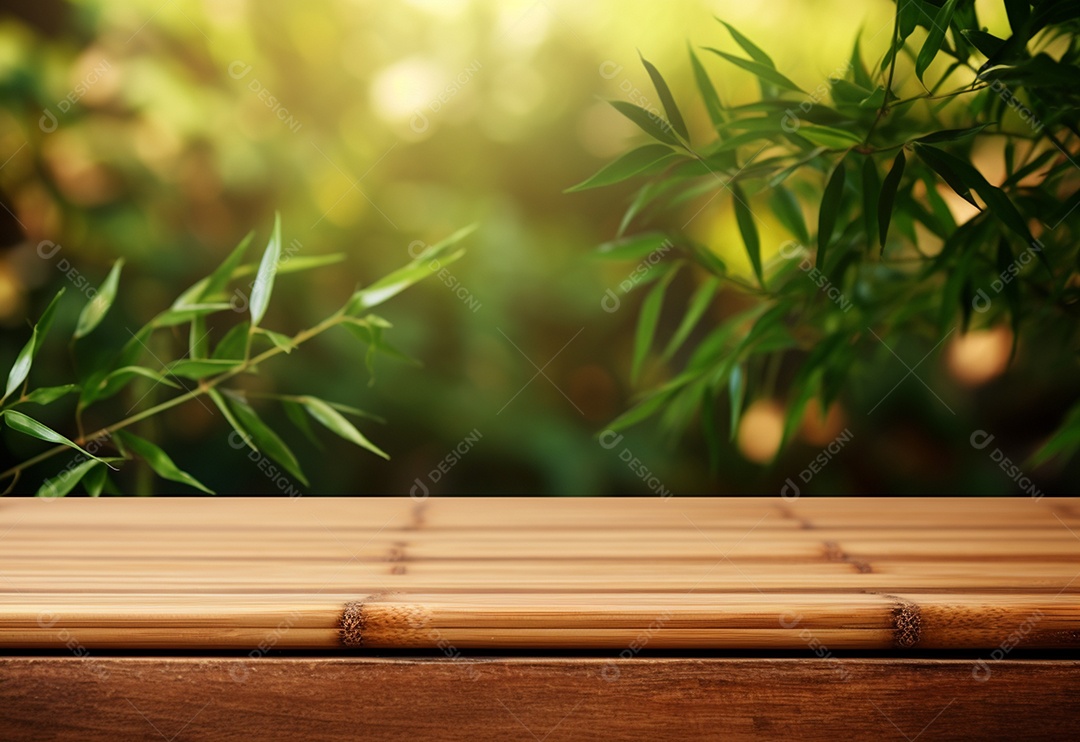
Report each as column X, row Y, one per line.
column 616, row 574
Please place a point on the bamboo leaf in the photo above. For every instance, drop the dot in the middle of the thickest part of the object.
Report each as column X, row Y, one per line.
column 334, row 421
column 113, row 382
column 748, row 46
column 20, row 370
column 827, row 136
column 736, row 394
column 96, row 309
column 49, row 394
column 202, row 367
column 708, row 92
column 627, row 166
column 61, row 484
column 871, row 193
column 260, row 437
column 650, row 123
column 830, row 209
column 748, row 230
column 699, row 303
column 264, row 279
column 233, row 346
column 295, row 412
column 761, row 71
column 647, row 322
column 94, row 480
column 428, row 263
column 29, row 426
column 281, row 341
column 635, row 247
column 944, row 166
column 935, row 37
column 46, row 321
column 178, row 316
column 888, row 196
column 666, row 99
column 788, row 210
column 159, row 461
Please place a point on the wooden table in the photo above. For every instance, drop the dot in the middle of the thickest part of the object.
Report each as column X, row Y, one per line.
column 540, row 619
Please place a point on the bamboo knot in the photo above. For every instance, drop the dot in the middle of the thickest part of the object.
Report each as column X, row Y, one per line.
column 351, row 625
column 907, row 623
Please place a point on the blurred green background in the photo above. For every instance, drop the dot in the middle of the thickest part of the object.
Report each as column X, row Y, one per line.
column 162, row 132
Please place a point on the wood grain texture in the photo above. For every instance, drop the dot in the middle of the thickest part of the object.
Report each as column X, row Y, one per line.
column 536, row 699
column 706, row 573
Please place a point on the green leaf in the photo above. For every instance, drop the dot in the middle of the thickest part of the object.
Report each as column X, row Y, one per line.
column 372, row 337
column 635, row 247
column 871, row 192
column 888, row 195
column 944, row 166
column 736, row 394
column 650, row 123
column 264, row 279
column 260, row 437
column 46, row 321
column 748, row 46
column 29, row 426
column 762, row 71
column 627, row 166
column 415, row 271
column 827, row 136
column 334, row 421
column 233, row 346
column 830, row 208
column 699, row 303
column 987, row 44
column 173, row 317
column 647, row 322
column 66, row 480
column 281, row 341
column 217, row 281
column 1064, row 442
column 116, row 380
column 748, row 229
column 859, row 71
column 1019, row 13
column 934, row 37
column 49, row 394
column 788, row 210
column 666, row 98
column 96, row 309
column 708, row 93
column 226, row 411
column 950, row 135
column 21, row 368
column 996, row 200
column 1011, row 291
column 295, row 412
column 202, row 367
column 94, row 480
column 159, row 461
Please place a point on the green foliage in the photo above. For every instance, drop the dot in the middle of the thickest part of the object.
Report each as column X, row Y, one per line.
column 877, row 170
column 216, row 372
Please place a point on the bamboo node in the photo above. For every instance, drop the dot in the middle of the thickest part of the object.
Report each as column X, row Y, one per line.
column 351, row 626
column 907, row 623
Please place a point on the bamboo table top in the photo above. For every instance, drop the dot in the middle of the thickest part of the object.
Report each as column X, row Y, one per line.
column 607, row 574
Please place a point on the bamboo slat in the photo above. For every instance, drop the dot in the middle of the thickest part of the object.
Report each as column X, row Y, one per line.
column 608, row 574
